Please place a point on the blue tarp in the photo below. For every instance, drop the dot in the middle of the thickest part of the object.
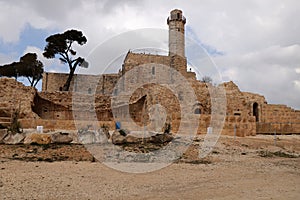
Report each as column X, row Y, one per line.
column 118, row 125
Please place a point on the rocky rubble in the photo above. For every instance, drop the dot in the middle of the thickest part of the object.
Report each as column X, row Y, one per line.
column 125, row 137
column 56, row 137
column 13, row 138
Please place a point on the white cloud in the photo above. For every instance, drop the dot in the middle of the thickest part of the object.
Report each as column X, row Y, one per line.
column 6, row 58
column 269, row 71
column 297, row 84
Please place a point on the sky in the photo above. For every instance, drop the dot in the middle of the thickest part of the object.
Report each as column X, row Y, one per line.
column 254, row 43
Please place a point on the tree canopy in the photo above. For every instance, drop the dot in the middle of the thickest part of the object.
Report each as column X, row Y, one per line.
column 61, row 45
column 28, row 66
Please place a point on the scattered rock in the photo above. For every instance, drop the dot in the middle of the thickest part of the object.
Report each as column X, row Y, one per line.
column 86, row 137
column 36, row 138
column 92, row 137
column 102, row 136
column 3, row 134
column 161, row 138
column 132, row 139
column 61, row 138
column 14, row 138
column 117, row 138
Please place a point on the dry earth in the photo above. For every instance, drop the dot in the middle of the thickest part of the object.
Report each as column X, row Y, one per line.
column 245, row 168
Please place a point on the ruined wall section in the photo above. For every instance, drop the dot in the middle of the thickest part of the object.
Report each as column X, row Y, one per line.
column 150, row 105
column 202, row 92
column 279, row 113
column 236, row 101
column 176, row 62
column 81, row 83
column 135, row 59
column 279, row 119
column 60, row 106
column 54, row 105
column 180, row 64
column 13, row 96
column 237, row 118
column 53, row 82
column 106, row 84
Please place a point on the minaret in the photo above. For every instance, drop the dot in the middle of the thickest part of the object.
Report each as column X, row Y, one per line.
column 176, row 22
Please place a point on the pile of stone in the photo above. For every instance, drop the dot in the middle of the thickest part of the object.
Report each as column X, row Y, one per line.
column 57, row 137
column 121, row 137
column 118, row 137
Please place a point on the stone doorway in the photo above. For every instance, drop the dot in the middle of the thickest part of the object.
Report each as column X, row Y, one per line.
column 255, row 112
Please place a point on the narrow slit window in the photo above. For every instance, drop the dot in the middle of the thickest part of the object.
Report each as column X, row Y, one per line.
column 153, row 70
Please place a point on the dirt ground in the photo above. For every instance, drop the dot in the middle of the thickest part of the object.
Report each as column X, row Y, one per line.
column 241, row 168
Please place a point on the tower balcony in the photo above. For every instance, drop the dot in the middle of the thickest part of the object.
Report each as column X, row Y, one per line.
column 177, row 18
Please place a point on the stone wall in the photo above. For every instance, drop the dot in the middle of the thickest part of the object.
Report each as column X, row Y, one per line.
column 279, row 119
column 180, row 64
column 279, row 113
column 16, row 96
column 136, row 59
column 73, row 106
column 240, row 113
column 81, row 83
column 56, row 109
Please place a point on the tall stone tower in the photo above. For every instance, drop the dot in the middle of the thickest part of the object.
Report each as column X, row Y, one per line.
column 176, row 22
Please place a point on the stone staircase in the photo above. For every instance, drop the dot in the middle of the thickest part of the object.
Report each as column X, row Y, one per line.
column 5, row 121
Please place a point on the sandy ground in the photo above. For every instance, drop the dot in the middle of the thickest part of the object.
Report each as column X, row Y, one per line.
column 245, row 168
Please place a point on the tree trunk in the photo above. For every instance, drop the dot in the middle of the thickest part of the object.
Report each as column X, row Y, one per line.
column 68, row 82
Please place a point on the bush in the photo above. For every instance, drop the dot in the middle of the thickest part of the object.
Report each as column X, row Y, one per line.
column 167, row 128
column 15, row 126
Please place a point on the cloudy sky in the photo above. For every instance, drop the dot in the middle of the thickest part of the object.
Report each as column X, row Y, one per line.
column 255, row 43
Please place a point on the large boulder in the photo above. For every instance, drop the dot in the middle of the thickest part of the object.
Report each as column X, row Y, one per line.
column 37, row 138
column 161, row 138
column 86, row 137
column 3, row 134
column 61, row 137
column 92, row 137
column 132, row 139
column 117, row 138
column 14, row 138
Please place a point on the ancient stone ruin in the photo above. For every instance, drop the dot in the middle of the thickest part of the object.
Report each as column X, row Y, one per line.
column 102, row 100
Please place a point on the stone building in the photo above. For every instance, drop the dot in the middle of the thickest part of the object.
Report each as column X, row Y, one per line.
column 149, row 90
